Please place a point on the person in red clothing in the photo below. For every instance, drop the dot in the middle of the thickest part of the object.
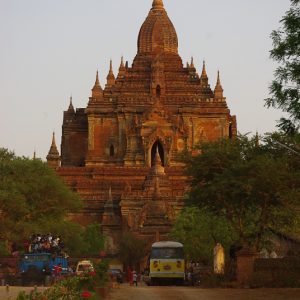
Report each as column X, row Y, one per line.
column 57, row 271
column 26, row 245
column 130, row 276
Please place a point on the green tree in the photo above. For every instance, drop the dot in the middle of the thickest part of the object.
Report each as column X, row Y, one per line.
column 199, row 230
column 33, row 199
column 256, row 188
column 3, row 249
column 93, row 240
column 131, row 249
column 285, row 87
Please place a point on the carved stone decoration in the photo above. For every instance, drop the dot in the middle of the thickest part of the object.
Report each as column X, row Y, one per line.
column 157, row 78
column 131, row 220
column 143, row 215
column 170, row 211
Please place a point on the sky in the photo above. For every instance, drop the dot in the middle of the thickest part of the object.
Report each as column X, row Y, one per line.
column 51, row 49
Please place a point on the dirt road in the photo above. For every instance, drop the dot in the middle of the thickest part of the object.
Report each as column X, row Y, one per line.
column 186, row 293
column 126, row 292
column 13, row 291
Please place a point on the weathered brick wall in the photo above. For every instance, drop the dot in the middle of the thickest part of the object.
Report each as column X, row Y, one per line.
column 74, row 138
column 277, row 272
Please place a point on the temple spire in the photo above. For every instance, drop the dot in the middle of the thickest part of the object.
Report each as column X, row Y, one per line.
column 218, row 79
column 157, row 159
column 204, row 74
column 71, row 107
column 53, row 158
column 110, row 77
column 204, row 77
column 122, row 63
column 218, row 89
column 122, row 69
column 192, row 62
column 109, row 217
column 157, row 4
column 97, row 83
column 110, row 67
column 157, row 164
column 53, row 144
column 97, row 90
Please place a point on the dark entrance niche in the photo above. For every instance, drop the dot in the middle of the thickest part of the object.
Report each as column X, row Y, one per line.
column 160, row 151
column 111, row 150
column 158, row 91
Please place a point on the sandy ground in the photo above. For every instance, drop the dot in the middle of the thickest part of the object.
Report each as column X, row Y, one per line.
column 126, row 292
column 13, row 292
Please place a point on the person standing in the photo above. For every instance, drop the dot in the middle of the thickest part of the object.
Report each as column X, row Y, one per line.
column 130, row 276
column 134, row 278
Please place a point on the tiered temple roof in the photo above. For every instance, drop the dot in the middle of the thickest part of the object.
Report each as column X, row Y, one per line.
column 132, row 134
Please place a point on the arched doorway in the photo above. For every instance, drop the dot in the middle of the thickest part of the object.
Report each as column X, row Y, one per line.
column 160, row 151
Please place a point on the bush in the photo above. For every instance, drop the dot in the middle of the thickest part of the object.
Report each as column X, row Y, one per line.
column 3, row 249
column 72, row 288
column 33, row 295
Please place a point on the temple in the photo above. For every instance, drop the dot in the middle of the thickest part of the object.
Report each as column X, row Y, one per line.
column 123, row 152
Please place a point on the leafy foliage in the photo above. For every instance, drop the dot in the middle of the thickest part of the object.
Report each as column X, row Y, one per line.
column 286, row 85
column 93, row 240
column 3, row 249
column 131, row 249
column 199, row 230
column 33, row 199
column 255, row 187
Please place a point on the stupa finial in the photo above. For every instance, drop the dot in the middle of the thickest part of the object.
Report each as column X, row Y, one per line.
column 218, row 89
column 71, row 107
column 204, row 74
column 53, row 158
column 218, row 78
column 192, row 62
column 97, row 82
column 110, row 77
column 97, row 90
column 157, row 166
column 157, row 4
column 53, row 140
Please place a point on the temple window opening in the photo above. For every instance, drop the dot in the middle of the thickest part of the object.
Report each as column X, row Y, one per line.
column 111, row 151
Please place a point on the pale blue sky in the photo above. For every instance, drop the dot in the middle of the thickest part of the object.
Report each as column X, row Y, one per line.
column 52, row 48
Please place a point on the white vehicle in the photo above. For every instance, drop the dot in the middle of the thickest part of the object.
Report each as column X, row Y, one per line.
column 84, row 266
column 166, row 262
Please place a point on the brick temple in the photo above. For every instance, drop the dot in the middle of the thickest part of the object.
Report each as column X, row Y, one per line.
column 122, row 153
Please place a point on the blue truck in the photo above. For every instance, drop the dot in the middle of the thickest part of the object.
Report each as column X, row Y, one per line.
column 37, row 267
